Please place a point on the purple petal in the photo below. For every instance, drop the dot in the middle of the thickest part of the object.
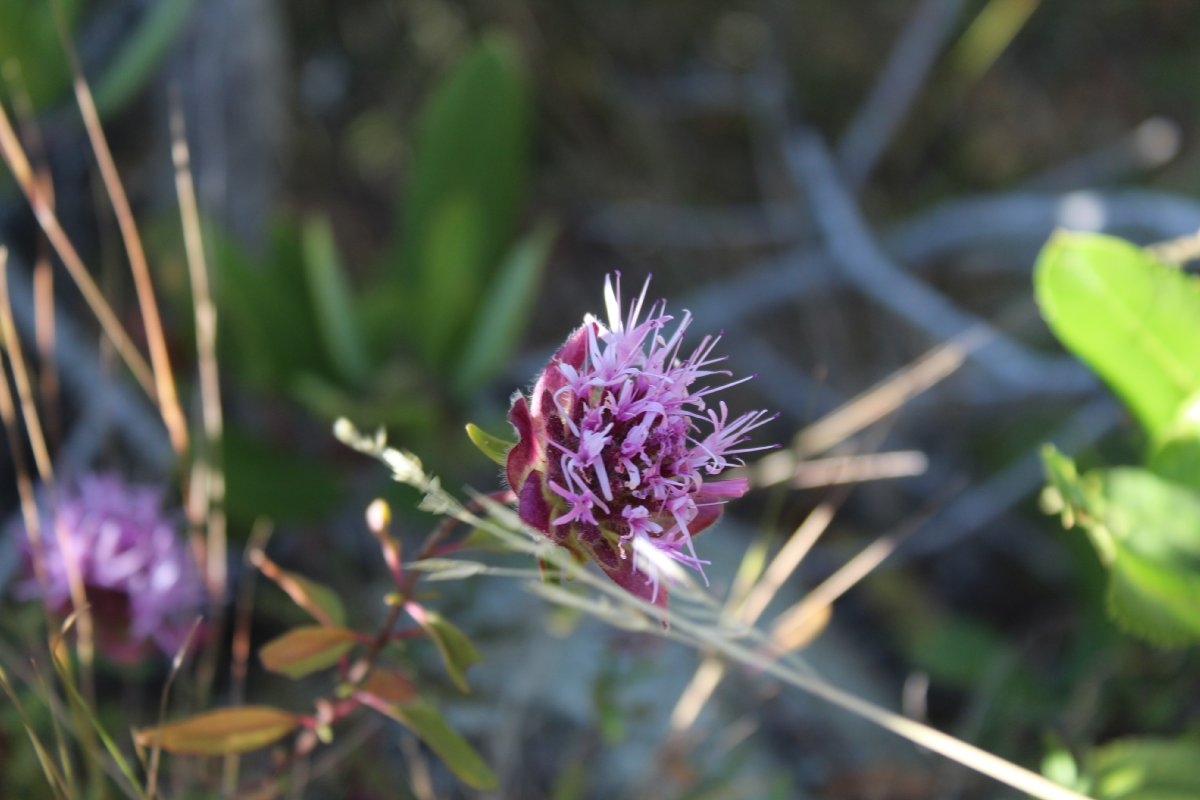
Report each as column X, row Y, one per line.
column 525, row 453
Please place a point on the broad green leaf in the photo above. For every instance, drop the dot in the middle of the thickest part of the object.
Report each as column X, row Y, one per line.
column 455, row 648
column 306, row 650
column 221, row 732
column 1131, row 318
column 1145, row 769
column 455, row 752
column 504, row 312
column 332, row 304
column 469, row 171
column 1146, row 530
column 266, row 480
column 491, row 446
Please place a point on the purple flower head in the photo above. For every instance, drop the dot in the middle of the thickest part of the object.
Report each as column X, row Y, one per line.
column 618, row 445
column 141, row 582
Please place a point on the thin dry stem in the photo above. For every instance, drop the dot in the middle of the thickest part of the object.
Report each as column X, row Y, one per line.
column 836, row 470
column 164, row 380
column 44, row 333
column 20, row 372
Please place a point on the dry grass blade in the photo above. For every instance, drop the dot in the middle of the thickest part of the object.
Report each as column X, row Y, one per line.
column 208, row 495
column 164, row 380
column 869, row 407
column 14, row 155
column 838, row 470
column 20, row 372
column 156, row 750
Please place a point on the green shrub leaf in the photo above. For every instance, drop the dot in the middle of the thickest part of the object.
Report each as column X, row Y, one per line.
column 1133, row 319
column 455, row 752
column 1146, row 530
column 465, row 192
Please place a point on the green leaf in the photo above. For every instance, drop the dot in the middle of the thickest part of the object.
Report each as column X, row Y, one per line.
column 1131, row 318
column 267, row 316
column 1146, row 530
column 456, row 752
column 221, row 732
column 455, row 648
column 466, row 190
column 504, row 312
column 1145, row 769
column 29, row 39
column 334, row 309
column 1177, row 456
column 303, row 651
column 491, row 446
column 454, row 274
column 266, row 480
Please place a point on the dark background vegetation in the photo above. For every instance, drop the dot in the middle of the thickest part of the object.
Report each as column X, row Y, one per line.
column 663, row 140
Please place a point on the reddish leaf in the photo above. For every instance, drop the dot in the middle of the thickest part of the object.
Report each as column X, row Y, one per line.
column 220, row 732
column 389, row 686
column 302, row 651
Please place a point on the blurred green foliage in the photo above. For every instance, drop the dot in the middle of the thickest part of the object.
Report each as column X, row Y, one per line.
column 429, row 324
column 1135, row 321
column 441, row 313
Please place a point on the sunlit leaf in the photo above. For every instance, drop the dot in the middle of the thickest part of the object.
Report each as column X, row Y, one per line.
column 491, row 446
column 428, row 725
column 318, row 600
column 455, row 648
column 220, row 732
column 302, row 651
column 1131, row 318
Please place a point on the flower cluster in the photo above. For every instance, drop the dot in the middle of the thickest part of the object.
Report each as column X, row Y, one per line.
column 141, row 582
column 618, row 445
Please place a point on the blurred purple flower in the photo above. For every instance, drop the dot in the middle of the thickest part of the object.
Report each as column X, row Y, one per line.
column 617, row 445
column 141, row 581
